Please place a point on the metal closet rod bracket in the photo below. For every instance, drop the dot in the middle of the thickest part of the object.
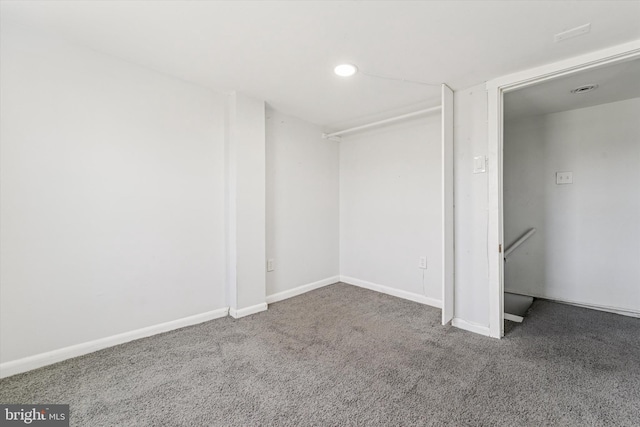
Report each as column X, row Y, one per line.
column 331, row 137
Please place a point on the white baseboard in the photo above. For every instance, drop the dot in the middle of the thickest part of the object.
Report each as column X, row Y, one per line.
column 422, row 299
column 470, row 326
column 237, row 313
column 608, row 309
column 299, row 290
column 43, row 359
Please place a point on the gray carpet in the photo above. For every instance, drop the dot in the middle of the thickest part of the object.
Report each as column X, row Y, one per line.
column 342, row 356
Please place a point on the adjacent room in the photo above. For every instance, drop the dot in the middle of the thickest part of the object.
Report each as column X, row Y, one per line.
column 248, row 213
column 571, row 157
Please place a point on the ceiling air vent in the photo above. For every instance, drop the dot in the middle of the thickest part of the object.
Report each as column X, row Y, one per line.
column 584, row 89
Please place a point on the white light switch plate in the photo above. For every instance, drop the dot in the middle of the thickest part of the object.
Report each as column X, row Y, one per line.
column 479, row 164
column 564, row 177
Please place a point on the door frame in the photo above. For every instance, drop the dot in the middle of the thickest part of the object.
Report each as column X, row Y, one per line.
column 495, row 95
column 447, row 204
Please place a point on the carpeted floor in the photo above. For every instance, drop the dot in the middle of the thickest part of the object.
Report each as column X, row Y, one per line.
column 342, row 356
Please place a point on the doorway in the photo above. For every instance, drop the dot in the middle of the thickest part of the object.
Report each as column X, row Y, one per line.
column 497, row 91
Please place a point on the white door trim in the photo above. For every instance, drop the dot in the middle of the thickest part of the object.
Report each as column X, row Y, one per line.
column 495, row 90
column 447, row 205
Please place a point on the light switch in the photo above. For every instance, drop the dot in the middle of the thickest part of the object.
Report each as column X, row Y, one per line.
column 479, row 164
column 564, row 177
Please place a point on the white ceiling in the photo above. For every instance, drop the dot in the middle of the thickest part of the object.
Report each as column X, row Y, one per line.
column 615, row 83
column 284, row 52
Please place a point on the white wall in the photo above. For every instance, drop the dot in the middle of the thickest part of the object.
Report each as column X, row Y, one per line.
column 302, row 203
column 587, row 248
column 112, row 187
column 390, row 207
column 471, row 204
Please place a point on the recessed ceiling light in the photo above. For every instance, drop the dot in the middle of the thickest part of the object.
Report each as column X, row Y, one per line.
column 345, row 70
column 585, row 88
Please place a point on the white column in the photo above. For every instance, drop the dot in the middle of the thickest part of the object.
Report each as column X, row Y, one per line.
column 245, row 205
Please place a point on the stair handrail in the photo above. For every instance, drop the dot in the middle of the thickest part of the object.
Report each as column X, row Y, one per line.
column 512, row 247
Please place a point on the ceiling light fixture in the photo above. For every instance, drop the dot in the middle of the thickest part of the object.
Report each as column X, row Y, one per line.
column 345, row 70
column 585, row 88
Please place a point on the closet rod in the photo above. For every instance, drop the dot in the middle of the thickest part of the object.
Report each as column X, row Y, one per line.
column 382, row 122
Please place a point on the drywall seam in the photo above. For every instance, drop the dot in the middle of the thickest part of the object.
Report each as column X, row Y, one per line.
column 422, row 299
column 299, row 290
column 43, row 359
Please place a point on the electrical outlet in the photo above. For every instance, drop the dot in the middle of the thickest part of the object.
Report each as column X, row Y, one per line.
column 271, row 264
column 564, row 177
column 423, row 262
